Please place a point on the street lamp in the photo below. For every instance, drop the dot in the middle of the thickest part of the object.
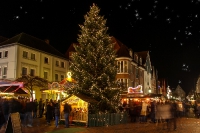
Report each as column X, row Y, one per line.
column 149, row 90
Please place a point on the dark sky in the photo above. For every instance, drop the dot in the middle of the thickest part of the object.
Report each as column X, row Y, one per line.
column 169, row 29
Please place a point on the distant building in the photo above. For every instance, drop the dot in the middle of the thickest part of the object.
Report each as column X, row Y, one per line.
column 198, row 85
column 180, row 93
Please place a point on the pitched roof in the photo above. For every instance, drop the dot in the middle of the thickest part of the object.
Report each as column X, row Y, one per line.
column 143, row 55
column 33, row 42
column 123, row 51
column 2, row 39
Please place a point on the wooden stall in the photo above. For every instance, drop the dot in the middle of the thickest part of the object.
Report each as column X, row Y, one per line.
column 80, row 105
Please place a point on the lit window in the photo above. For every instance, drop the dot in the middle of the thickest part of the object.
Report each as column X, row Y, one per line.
column 6, row 54
column 46, row 60
column 25, row 54
column 32, row 56
column 24, row 71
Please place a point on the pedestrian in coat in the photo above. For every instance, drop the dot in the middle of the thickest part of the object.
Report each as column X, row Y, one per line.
column 67, row 110
column 57, row 114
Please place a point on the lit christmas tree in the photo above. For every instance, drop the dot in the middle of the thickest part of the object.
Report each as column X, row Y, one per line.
column 93, row 64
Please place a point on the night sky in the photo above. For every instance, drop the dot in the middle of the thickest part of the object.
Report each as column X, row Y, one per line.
column 169, row 29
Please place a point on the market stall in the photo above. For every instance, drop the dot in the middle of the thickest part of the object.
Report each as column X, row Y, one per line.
column 12, row 89
column 80, row 105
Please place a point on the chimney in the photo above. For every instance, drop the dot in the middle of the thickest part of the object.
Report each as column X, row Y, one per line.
column 47, row 41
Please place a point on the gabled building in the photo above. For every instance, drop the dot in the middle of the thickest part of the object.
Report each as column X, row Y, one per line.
column 24, row 54
column 180, row 93
column 134, row 69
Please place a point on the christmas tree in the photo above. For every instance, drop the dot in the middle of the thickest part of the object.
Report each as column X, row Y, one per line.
column 93, row 64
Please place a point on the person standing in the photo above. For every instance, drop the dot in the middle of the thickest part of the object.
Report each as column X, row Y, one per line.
column 28, row 113
column 35, row 108
column 174, row 108
column 67, row 110
column 49, row 113
column 41, row 108
column 57, row 114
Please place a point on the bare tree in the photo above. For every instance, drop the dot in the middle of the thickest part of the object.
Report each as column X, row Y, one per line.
column 31, row 82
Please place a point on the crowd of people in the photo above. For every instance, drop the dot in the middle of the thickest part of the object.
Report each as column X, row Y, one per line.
column 29, row 110
column 159, row 111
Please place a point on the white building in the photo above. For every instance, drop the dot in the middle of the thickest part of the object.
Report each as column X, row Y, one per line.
column 24, row 54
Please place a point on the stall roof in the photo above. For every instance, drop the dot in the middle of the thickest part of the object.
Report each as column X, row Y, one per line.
column 84, row 98
column 12, row 89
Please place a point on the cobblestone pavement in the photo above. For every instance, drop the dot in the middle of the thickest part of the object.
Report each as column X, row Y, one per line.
column 184, row 125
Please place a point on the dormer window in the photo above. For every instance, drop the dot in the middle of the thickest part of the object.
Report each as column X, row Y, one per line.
column 140, row 61
column 131, row 53
column 136, row 58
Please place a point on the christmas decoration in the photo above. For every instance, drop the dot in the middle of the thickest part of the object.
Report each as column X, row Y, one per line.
column 93, row 64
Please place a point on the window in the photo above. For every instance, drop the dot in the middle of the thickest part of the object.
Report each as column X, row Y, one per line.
column 62, row 64
column 124, row 82
column 122, row 66
column 6, row 54
column 45, row 75
column 25, row 54
column 62, row 77
column 0, row 54
column 0, row 71
column 46, row 60
column 57, row 63
column 56, row 77
column 125, row 66
column 24, row 71
column 136, row 73
column 32, row 56
column 32, row 72
column 4, row 72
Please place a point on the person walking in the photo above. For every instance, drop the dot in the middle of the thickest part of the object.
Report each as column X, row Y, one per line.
column 67, row 110
column 57, row 114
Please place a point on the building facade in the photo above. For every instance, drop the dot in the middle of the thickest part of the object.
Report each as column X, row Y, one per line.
column 26, row 55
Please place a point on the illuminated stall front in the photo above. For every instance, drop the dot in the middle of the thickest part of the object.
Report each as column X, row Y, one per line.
column 57, row 90
column 136, row 95
column 9, row 89
column 80, row 106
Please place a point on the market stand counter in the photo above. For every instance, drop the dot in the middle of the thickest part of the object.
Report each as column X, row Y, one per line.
column 80, row 104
